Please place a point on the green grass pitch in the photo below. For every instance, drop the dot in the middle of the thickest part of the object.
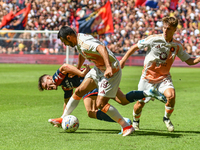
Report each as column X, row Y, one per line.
column 24, row 112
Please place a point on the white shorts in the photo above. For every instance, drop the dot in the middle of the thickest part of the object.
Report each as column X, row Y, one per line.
column 162, row 86
column 107, row 87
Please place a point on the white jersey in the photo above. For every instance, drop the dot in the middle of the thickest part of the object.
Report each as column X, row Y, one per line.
column 160, row 57
column 87, row 45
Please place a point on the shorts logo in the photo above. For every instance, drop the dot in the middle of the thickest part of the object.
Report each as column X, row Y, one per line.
column 172, row 49
column 102, row 92
column 163, row 56
column 104, row 84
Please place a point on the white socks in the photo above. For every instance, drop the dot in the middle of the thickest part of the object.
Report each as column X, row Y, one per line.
column 71, row 105
column 168, row 111
column 113, row 113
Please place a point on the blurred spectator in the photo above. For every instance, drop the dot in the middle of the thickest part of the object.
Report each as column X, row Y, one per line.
column 21, row 46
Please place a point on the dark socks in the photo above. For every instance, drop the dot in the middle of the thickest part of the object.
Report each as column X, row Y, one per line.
column 133, row 96
column 102, row 116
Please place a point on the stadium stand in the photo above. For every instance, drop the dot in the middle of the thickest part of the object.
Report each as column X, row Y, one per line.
column 130, row 23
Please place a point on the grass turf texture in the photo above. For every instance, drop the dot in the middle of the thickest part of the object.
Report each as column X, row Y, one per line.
column 24, row 113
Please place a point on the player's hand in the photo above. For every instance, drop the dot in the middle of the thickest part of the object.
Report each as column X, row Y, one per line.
column 87, row 69
column 71, row 75
column 108, row 73
column 122, row 64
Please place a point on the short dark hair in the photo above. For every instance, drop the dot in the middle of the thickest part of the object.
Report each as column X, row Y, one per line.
column 64, row 31
column 40, row 81
column 172, row 21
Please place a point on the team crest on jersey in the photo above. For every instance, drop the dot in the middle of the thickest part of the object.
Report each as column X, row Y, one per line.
column 163, row 56
column 172, row 49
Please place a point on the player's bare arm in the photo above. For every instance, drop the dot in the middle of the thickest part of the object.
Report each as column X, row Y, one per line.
column 193, row 61
column 104, row 53
column 128, row 54
column 81, row 60
column 66, row 68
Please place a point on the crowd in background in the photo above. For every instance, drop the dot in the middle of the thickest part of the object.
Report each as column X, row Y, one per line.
column 130, row 23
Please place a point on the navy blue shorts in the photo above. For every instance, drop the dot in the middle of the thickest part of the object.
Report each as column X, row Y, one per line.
column 91, row 93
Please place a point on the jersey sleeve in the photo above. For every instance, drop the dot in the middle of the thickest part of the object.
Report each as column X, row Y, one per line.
column 88, row 43
column 145, row 42
column 182, row 54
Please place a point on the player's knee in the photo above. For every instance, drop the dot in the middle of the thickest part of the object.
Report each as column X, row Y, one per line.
column 101, row 102
column 170, row 94
column 79, row 92
column 100, row 105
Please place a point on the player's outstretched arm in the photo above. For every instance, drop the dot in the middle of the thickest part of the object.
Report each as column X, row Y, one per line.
column 67, row 68
column 193, row 61
column 128, row 54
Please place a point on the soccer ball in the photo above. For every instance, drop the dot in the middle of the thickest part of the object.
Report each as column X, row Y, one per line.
column 70, row 123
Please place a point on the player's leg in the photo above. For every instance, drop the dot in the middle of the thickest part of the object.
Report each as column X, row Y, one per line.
column 121, row 98
column 169, row 106
column 133, row 96
column 92, row 110
column 130, row 97
column 90, row 106
column 112, row 112
column 137, row 109
column 167, row 88
column 108, row 89
column 87, row 85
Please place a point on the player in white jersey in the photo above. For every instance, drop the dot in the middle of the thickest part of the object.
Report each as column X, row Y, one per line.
column 161, row 53
column 105, row 75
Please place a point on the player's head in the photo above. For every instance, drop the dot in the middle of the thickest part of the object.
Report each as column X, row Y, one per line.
column 169, row 26
column 68, row 36
column 46, row 82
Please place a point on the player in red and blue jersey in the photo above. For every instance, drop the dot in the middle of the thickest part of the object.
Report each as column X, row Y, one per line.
column 69, row 77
